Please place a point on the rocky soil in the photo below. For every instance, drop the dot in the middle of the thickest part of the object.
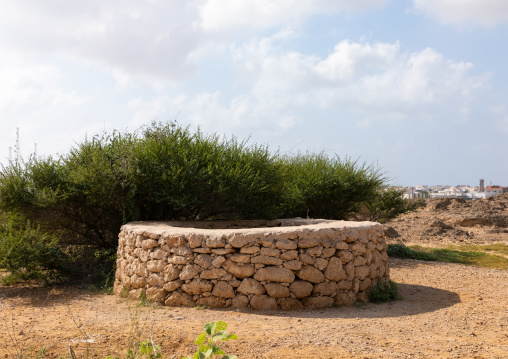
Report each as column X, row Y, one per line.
column 447, row 311
column 446, row 221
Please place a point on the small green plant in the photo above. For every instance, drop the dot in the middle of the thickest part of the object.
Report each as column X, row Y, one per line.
column 214, row 331
column 384, row 292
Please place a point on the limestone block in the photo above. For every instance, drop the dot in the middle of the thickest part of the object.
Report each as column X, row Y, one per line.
column 362, row 297
column 365, row 284
column 156, row 294
column 188, row 272
column 218, row 261
column 315, row 251
column 156, row 265
column 328, row 288
column 173, row 285
column 197, row 286
column 311, row 274
column 250, row 286
column 212, row 302
column 250, row 250
column 341, row 246
column 215, row 242
column 175, row 259
column 345, row 299
column 358, row 248
column 308, row 242
column 140, row 269
column 346, row 256
column 359, row 261
column 241, row 258
column 356, row 285
column 141, row 254
column 238, row 270
column 224, row 290
column 222, row 251
column 289, row 304
column 195, row 240
column 286, row 244
column 178, row 299
column 266, row 260
column 214, row 273
column 240, row 302
column 328, row 252
column 270, row 252
column 349, row 268
column 373, row 270
column 301, row 288
column 263, row 302
column 345, row 285
column 362, row 272
column 171, row 272
column 235, row 283
column 289, row 255
column 317, row 302
column 155, row 280
column 275, row 274
column 242, row 241
column 320, row 263
column 305, row 258
column 175, row 241
column 140, row 239
column 149, row 243
column 293, row 265
column 266, row 241
column 368, row 257
column 158, row 253
column 181, row 251
column 227, row 277
column 204, row 261
column 202, row 250
column 136, row 293
column 137, row 282
column 276, row 290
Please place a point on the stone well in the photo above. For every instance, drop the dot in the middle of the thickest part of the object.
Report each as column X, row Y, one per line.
column 285, row 264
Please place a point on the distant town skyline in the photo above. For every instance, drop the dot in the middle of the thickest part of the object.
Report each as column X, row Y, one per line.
column 419, row 88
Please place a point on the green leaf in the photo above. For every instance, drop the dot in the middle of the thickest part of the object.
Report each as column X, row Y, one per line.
column 221, row 325
column 216, row 350
column 200, row 339
column 230, row 337
column 210, row 328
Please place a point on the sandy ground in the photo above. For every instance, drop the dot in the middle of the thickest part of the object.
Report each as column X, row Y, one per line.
column 448, row 311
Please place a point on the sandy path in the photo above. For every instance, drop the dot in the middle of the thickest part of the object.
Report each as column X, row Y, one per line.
column 448, row 311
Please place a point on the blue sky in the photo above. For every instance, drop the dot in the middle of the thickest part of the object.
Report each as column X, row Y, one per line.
column 419, row 87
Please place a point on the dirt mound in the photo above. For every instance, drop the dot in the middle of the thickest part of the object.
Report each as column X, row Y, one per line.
column 446, row 221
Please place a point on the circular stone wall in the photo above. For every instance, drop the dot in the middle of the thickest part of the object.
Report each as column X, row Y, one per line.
column 264, row 265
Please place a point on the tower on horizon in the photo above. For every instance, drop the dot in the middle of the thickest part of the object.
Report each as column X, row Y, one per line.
column 482, row 185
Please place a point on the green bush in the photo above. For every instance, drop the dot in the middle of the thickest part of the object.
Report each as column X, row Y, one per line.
column 384, row 292
column 402, row 251
column 28, row 254
column 318, row 186
column 386, row 204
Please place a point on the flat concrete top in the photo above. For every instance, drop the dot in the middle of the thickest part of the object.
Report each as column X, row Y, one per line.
column 243, row 227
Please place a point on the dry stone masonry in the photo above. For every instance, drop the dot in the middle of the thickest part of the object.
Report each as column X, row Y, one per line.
column 286, row 264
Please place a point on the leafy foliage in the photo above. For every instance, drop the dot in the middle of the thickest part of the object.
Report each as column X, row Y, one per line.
column 384, row 292
column 206, row 341
column 386, row 204
column 27, row 254
column 323, row 187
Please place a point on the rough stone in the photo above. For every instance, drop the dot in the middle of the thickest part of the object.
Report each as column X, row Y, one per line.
column 327, row 288
column 204, row 261
column 215, row 242
column 290, row 304
column 155, row 280
column 155, row 265
column 181, row 251
column 266, row 260
column 289, row 255
column 250, row 250
column 214, row 273
column 218, row 261
column 156, row 294
column 172, row 286
column 301, row 288
column 362, row 272
column 240, row 302
column 251, row 286
column 171, row 272
column 175, row 241
column 293, row 265
column 317, row 302
column 149, row 243
column 345, row 299
column 276, row 290
column 212, row 302
column 238, row 270
column 320, row 263
column 263, row 302
column 188, row 272
column 274, row 274
column 177, row 299
column 311, row 274
column 270, row 252
column 286, row 244
column 315, row 251
column 240, row 258
column 308, row 242
column 175, row 259
column 197, row 286
column 224, row 290
column 334, row 270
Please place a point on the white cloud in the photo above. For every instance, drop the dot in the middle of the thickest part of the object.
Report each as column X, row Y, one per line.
column 378, row 80
column 227, row 15
column 487, row 13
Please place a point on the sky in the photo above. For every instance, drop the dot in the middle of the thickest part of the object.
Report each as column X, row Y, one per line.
column 418, row 88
